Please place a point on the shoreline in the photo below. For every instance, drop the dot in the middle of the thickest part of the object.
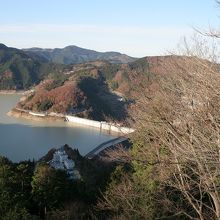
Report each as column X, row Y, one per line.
column 22, row 114
column 53, row 116
column 12, row 92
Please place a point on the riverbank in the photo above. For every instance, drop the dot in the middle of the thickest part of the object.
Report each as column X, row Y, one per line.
column 26, row 115
column 52, row 116
column 12, row 92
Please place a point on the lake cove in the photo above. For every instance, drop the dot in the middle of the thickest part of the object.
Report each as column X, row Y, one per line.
column 22, row 139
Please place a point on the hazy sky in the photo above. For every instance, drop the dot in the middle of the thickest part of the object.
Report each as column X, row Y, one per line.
column 135, row 27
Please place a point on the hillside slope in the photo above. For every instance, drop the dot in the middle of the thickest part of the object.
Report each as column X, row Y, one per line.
column 21, row 71
column 82, row 92
column 98, row 90
column 101, row 90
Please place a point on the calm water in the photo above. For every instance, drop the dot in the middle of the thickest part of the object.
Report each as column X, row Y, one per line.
column 22, row 139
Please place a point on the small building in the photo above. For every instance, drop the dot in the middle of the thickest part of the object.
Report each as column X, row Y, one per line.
column 69, row 164
column 61, row 161
column 57, row 165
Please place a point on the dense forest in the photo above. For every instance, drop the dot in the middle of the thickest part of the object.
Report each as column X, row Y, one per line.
column 35, row 190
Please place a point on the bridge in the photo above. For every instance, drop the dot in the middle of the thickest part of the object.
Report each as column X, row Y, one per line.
column 105, row 145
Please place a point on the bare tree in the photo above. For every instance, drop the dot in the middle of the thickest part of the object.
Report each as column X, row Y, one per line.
column 183, row 117
column 177, row 121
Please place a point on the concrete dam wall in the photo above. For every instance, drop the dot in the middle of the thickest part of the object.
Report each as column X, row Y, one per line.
column 100, row 124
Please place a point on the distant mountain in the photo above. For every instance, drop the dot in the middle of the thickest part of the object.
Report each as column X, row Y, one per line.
column 22, row 69
column 18, row 70
column 76, row 55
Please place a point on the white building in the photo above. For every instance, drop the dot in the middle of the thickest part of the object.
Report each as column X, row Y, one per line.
column 61, row 161
column 57, row 165
column 69, row 164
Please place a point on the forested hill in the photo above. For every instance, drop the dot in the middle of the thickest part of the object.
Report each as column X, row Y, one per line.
column 20, row 71
column 75, row 55
column 99, row 90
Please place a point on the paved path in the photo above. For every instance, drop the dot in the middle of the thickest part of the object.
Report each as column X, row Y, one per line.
column 105, row 145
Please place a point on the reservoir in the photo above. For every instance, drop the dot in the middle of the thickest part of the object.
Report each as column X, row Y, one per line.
column 23, row 139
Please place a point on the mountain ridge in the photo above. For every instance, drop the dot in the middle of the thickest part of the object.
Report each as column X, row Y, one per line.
column 73, row 54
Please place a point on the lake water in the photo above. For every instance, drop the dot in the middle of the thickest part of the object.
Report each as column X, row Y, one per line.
column 22, row 139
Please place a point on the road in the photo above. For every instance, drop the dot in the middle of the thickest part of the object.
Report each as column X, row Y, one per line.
column 105, row 145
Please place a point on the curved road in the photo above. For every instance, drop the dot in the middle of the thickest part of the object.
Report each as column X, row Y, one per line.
column 105, row 145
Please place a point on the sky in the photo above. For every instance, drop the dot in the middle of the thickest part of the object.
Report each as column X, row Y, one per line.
column 134, row 27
